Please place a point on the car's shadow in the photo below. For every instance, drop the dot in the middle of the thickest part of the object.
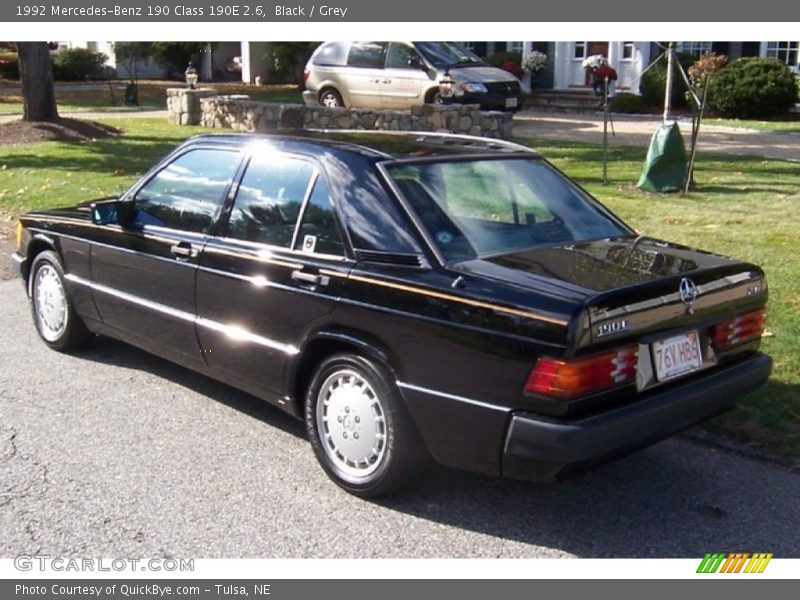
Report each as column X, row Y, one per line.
column 679, row 498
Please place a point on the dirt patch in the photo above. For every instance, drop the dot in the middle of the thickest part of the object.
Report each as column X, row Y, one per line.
column 63, row 130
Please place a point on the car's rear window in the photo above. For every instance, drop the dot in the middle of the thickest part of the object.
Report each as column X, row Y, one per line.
column 482, row 207
column 333, row 54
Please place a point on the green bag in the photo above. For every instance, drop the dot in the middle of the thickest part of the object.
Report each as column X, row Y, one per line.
column 665, row 165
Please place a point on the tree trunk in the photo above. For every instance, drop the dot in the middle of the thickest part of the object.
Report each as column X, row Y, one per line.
column 36, row 74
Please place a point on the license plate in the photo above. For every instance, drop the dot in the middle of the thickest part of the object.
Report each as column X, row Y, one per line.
column 511, row 103
column 677, row 355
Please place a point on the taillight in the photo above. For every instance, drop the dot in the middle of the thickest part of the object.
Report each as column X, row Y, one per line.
column 575, row 377
column 306, row 73
column 740, row 329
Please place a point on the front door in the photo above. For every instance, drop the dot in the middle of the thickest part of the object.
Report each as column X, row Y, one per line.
column 143, row 273
column 578, row 76
column 365, row 74
column 265, row 283
column 406, row 78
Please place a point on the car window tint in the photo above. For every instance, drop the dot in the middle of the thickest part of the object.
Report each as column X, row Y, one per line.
column 399, row 55
column 332, row 54
column 187, row 193
column 367, row 55
column 483, row 207
column 269, row 198
column 318, row 231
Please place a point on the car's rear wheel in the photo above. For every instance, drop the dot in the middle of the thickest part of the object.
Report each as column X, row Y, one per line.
column 330, row 98
column 358, row 427
column 55, row 318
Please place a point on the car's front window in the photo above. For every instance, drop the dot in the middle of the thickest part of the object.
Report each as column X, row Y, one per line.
column 446, row 54
column 481, row 207
column 188, row 192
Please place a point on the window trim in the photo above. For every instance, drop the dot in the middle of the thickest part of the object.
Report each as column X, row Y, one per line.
column 772, row 49
column 222, row 232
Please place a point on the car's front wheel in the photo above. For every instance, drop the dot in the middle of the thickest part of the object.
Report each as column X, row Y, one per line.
column 57, row 323
column 358, row 427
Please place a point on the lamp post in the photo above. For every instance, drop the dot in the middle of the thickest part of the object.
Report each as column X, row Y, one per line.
column 446, row 86
column 191, row 76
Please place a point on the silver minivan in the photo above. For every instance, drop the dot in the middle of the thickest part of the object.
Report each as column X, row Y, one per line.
column 399, row 75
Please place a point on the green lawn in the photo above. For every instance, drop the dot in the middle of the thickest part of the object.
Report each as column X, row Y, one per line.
column 152, row 95
column 744, row 206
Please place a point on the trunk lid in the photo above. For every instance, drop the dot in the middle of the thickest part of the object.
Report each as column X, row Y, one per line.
column 630, row 287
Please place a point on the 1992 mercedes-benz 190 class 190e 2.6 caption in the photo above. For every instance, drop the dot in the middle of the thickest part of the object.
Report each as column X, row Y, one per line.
column 409, row 296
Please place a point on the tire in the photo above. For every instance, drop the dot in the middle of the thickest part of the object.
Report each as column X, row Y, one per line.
column 358, row 427
column 54, row 316
column 434, row 97
column 330, row 98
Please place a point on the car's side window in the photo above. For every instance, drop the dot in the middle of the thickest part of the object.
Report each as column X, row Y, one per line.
column 401, row 56
column 318, row 232
column 367, row 55
column 269, row 199
column 187, row 193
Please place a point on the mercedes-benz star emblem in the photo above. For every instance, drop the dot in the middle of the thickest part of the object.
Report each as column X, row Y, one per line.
column 688, row 293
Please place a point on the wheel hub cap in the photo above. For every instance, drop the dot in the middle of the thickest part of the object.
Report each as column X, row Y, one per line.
column 51, row 302
column 351, row 423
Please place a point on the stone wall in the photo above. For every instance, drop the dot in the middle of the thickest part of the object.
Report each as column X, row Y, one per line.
column 183, row 105
column 242, row 114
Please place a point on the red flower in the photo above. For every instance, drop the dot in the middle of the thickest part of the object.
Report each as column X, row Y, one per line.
column 512, row 68
column 605, row 71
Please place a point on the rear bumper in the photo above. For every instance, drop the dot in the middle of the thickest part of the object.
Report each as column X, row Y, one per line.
column 310, row 98
column 541, row 450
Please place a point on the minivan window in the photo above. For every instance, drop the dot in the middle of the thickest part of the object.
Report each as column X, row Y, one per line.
column 447, row 54
column 400, row 55
column 333, row 54
column 367, row 55
column 269, row 199
column 188, row 192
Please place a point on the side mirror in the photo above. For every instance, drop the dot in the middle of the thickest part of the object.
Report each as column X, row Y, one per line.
column 111, row 212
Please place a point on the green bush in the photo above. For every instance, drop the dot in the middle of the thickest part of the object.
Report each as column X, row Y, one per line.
column 9, row 65
column 76, row 64
column 627, row 103
column 654, row 82
column 498, row 59
column 753, row 88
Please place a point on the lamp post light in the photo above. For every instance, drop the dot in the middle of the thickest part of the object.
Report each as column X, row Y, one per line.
column 191, row 76
column 446, row 88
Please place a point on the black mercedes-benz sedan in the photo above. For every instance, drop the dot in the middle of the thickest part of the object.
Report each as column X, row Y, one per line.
column 408, row 295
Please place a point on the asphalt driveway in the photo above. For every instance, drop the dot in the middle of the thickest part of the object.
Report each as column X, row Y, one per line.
column 115, row 453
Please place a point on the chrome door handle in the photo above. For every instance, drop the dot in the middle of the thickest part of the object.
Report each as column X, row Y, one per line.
column 313, row 279
column 183, row 250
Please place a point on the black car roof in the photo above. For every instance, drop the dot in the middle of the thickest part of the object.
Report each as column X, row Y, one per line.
column 377, row 145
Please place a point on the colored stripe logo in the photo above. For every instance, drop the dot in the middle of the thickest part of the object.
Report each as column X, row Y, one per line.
column 734, row 562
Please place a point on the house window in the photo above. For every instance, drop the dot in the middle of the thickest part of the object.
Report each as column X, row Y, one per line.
column 516, row 47
column 786, row 52
column 628, row 50
column 469, row 46
column 580, row 50
column 696, row 48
